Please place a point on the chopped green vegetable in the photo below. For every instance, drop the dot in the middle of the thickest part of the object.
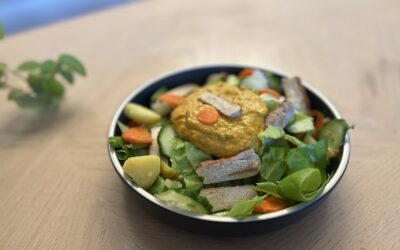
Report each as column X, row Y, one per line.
column 233, row 80
column 116, row 142
column 122, row 127
column 171, row 184
column 154, row 97
column 293, row 140
column 334, row 131
column 180, row 201
column 158, row 186
column 166, row 139
column 271, row 101
column 245, row 208
column 195, row 155
column 274, row 81
column 300, row 123
column 308, row 139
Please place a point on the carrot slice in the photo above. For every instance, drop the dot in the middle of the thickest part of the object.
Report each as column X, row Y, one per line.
column 208, row 116
column 318, row 121
column 171, row 99
column 270, row 204
column 245, row 72
column 272, row 92
column 137, row 135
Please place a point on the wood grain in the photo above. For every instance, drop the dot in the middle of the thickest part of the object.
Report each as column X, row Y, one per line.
column 58, row 189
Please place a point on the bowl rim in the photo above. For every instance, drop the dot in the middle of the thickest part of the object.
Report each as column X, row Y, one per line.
column 219, row 219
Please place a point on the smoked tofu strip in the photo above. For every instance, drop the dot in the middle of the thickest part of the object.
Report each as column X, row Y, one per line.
column 280, row 116
column 227, row 108
column 225, row 197
column 242, row 165
column 296, row 94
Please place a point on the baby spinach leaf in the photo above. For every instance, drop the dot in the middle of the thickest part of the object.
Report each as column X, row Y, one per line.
column 298, row 159
column 245, row 208
column 273, row 164
column 303, row 185
column 268, row 187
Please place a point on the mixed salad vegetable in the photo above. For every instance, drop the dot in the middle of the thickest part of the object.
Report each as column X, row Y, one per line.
column 289, row 163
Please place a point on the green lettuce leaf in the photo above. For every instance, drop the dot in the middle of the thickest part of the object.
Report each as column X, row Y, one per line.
column 195, row 155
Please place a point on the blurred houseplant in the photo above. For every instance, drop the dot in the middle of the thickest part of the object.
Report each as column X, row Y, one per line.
column 45, row 80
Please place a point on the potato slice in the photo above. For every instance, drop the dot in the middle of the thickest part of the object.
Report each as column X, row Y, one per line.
column 143, row 170
column 141, row 114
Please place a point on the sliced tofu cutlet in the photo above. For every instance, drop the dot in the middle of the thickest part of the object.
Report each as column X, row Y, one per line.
column 229, row 109
column 296, row 94
column 243, row 165
column 225, row 197
column 280, row 116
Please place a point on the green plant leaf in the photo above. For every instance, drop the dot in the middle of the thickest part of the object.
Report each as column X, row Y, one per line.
column 73, row 63
column 53, row 88
column 35, row 83
column 67, row 75
column 2, row 32
column 26, row 101
column 29, row 66
column 48, row 67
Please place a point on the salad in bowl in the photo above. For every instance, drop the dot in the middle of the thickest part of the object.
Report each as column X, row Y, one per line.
column 236, row 145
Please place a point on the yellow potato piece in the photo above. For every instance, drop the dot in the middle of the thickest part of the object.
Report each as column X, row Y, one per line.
column 143, row 170
column 141, row 114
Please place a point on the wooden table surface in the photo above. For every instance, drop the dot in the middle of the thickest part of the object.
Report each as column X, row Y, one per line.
column 58, row 189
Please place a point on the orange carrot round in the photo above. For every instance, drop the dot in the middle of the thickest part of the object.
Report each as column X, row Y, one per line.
column 208, row 116
column 272, row 92
column 270, row 204
column 137, row 135
column 245, row 72
column 318, row 121
column 171, row 99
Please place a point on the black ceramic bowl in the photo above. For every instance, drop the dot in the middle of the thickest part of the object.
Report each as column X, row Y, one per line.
column 212, row 224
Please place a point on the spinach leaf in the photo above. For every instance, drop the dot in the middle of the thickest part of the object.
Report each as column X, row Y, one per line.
column 245, row 208
column 303, row 185
column 273, row 164
column 268, row 187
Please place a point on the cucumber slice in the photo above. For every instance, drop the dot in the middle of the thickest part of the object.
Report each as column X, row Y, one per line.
column 165, row 137
column 178, row 200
